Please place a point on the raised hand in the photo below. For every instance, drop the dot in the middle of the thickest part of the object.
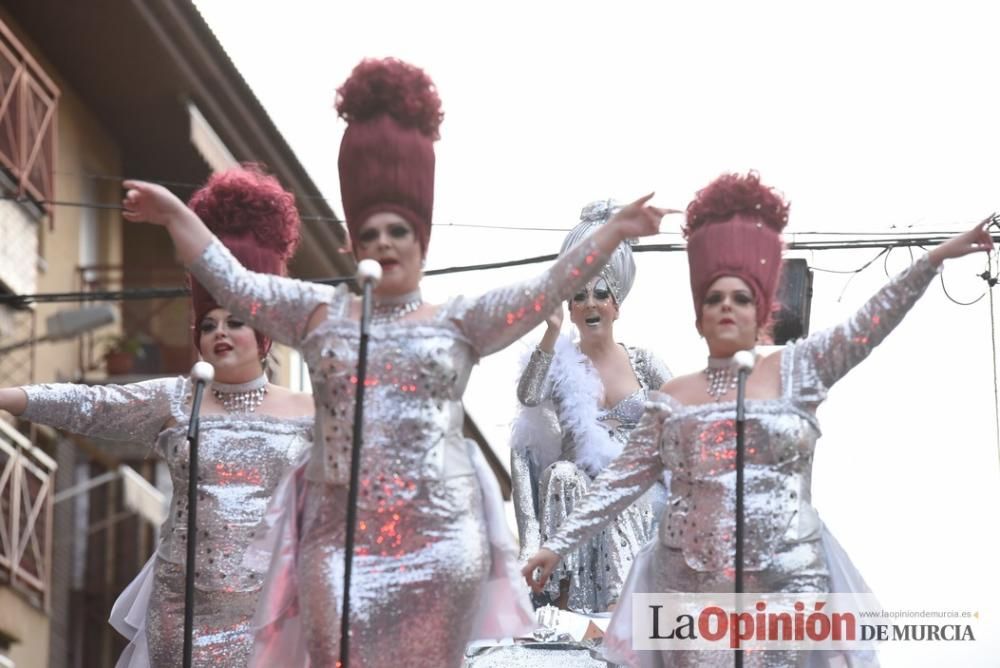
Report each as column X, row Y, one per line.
column 151, row 203
column 545, row 561
column 975, row 240
column 555, row 319
column 639, row 219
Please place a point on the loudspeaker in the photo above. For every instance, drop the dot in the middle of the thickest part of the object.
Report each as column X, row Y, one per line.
column 791, row 319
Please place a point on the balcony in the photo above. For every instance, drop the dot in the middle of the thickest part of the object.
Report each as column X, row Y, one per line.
column 27, row 476
column 28, row 100
column 155, row 331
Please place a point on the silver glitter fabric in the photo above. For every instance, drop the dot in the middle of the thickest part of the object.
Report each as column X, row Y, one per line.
column 696, row 443
column 421, row 551
column 241, row 460
column 594, row 572
column 551, row 655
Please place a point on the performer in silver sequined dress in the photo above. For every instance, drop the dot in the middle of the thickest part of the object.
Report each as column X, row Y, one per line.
column 433, row 553
column 734, row 249
column 574, row 420
column 252, row 433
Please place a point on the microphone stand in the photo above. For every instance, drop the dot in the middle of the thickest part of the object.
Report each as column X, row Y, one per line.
column 741, row 383
column 352, row 492
column 192, row 519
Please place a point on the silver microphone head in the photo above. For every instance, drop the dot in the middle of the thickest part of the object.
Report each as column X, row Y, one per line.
column 369, row 271
column 744, row 360
column 202, row 372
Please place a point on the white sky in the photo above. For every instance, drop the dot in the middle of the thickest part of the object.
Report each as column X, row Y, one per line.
column 867, row 115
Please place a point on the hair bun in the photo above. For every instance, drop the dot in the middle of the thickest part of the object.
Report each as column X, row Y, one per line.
column 245, row 201
column 732, row 194
column 391, row 86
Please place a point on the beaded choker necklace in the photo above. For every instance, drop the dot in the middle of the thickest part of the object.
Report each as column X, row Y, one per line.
column 387, row 309
column 721, row 375
column 241, row 397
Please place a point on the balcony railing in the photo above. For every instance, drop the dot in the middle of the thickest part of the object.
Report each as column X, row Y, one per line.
column 159, row 326
column 28, row 100
column 27, row 476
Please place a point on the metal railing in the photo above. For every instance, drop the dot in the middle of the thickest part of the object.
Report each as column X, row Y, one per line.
column 27, row 478
column 28, row 101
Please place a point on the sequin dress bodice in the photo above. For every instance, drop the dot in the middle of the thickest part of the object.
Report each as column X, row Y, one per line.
column 241, row 458
column 698, row 447
column 696, row 443
column 417, row 372
column 621, row 418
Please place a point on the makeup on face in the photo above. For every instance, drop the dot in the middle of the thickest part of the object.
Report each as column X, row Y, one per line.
column 600, row 292
column 223, row 335
column 729, row 315
column 593, row 305
column 390, row 240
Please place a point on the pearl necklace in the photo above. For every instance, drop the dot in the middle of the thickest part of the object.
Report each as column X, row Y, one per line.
column 387, row 309
column 241, row 397
column 721, row 375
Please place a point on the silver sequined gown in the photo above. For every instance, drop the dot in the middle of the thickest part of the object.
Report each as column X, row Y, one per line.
column 421, row 549
column 543, row 499
column 241, row 459
column 782, row 550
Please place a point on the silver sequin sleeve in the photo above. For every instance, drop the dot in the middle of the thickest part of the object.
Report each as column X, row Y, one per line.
column 634, row 471
column 652, row 368
column 524, row 504
column 826, row 356
column 534, row 387
column 135, row 412
column 276, row 306
column 499, row 317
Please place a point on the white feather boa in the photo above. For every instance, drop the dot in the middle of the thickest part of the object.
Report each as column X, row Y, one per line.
column 576, row 389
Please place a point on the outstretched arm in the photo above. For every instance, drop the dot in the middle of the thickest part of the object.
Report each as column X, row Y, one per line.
column 829, row 354
column 634, row 471
column 135, row 412
column 152, row 203
column 502, row 316
column 281, row 308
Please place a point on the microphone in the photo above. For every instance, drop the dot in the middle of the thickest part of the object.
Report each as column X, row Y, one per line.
column 369, row 273
column 744, row 361
column 368, row 276
column 202, row 373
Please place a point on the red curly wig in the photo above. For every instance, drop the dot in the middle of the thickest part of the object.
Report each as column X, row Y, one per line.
column 731, row 194
column 256, row 219
column 734, row 228
column 386, row 160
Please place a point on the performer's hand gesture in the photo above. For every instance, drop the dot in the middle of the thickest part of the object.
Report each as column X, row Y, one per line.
column 152, row 203
column 555, row 319
column 975, row 240
column 638, row 219
column 545, row 561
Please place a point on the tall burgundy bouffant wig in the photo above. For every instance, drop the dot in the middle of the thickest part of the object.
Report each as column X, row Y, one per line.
column 386, row 161
column 734, row 228
column 256, row 219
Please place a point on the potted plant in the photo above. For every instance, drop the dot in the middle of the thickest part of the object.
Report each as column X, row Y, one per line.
column 119, row 353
